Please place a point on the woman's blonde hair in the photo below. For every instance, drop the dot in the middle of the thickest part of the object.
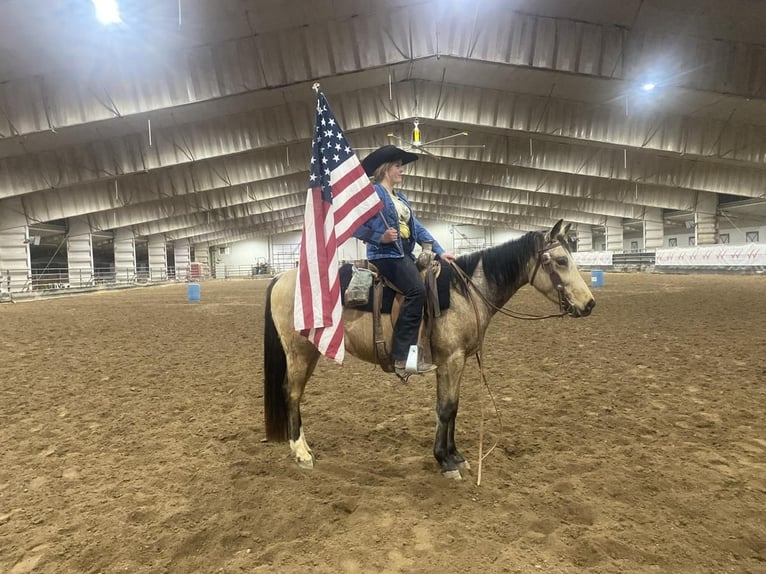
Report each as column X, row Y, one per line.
column 380, row 172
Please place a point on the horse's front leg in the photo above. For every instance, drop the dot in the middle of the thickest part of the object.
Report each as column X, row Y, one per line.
column 448, row 379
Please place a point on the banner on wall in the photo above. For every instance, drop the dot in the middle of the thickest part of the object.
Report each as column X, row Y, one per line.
column 592, row 258
column 750, row 254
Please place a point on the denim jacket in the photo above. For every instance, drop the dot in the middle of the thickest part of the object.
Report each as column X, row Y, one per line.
column 373, row 229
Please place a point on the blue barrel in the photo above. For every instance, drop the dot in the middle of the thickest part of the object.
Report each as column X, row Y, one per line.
column 596, row 278
column 193, row 292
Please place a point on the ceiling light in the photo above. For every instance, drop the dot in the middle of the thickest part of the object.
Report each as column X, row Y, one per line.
column 107, row 11
column 648, row 86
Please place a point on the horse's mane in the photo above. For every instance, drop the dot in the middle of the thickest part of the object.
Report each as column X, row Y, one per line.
column 503, row 263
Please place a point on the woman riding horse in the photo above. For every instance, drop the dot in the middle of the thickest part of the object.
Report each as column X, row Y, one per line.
column 390, row 237
column 487, row 280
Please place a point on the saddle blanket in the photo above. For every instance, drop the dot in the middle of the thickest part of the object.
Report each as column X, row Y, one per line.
column 442, row 288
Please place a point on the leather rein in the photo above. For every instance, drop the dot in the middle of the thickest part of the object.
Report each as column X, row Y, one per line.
column 543, row 259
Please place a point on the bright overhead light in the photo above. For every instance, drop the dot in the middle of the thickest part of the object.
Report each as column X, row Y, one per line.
column 648, row 86
column 107, row 11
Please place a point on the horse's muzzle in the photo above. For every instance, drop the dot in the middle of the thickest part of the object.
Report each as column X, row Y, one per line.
column 574, row 311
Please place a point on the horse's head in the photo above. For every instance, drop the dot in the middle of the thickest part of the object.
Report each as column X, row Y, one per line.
column 556, row 276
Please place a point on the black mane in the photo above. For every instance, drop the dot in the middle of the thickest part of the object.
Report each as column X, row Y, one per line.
column 503, row 263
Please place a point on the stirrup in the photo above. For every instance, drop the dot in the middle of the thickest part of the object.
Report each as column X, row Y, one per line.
column 422, row 369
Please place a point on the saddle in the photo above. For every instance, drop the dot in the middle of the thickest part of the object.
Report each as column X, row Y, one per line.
column 430, row 271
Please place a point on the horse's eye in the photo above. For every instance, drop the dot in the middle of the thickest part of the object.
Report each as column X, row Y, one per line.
column 563, row 261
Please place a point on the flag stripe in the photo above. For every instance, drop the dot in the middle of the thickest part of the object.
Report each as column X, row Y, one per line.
column 353, row 206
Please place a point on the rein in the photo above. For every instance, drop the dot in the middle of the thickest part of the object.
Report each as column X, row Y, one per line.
column 482, row 455
column 544, row 261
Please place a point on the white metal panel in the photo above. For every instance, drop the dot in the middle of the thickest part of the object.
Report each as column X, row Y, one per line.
column 584, row 237
column 239, row 234
column 203, row 144
column 614, row 234
column 653, row 229
column 158, row 257
column 439, row 191
column 182, row 258
column 14, row 258
column 268, row 191
column 706, row 219
column 530, row 180
column 334, row 45
column 124, row 255
column 544, row 50
column 139, row 188
column 461, row 204
column 202, row 253
column 184, row 171
column 79, row 252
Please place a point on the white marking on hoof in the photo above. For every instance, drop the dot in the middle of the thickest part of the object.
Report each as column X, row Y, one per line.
column 303, row 455
column 464, row 466
column 452, row 474
column 307, row 464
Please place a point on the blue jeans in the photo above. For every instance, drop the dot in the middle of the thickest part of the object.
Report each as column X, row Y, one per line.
column 404, row 275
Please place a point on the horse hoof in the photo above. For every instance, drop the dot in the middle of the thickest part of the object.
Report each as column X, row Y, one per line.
column 464, row 466
column 307, row 464
column 452, row 474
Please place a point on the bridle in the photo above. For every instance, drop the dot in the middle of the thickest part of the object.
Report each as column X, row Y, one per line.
column 542, row 259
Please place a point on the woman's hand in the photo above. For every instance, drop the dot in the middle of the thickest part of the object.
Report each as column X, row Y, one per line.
column 389, row 236
column 448, row 257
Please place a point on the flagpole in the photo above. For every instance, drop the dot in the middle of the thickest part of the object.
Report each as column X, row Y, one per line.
column 399, row 247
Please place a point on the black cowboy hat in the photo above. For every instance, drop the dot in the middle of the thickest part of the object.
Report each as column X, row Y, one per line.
column 386, row 154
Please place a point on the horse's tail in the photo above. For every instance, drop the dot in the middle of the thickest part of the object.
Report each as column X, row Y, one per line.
column 275, row 411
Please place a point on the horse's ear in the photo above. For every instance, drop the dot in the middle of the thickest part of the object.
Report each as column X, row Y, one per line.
column 554, row 232
column 569, row 241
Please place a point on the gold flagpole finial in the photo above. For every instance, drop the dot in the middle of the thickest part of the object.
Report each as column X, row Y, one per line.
column 315, row 87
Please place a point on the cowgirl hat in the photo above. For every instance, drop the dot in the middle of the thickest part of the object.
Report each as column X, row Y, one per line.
column 386, row 154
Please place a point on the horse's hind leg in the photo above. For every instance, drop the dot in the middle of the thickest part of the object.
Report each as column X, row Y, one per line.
column 288, row 361
column 300, row 366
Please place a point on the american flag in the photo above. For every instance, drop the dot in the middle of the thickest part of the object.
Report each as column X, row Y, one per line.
column 340, row 198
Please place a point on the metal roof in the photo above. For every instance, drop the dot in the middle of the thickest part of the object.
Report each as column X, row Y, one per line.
column 197, row 124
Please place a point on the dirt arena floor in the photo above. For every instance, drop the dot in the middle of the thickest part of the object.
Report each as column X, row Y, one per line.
column 131, row 440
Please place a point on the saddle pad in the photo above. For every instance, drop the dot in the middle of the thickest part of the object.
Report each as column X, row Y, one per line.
column 442, row 287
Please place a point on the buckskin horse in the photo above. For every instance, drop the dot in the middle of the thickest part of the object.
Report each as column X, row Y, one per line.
column 483, row 283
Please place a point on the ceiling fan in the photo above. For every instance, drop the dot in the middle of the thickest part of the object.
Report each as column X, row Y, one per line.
column 416, row 144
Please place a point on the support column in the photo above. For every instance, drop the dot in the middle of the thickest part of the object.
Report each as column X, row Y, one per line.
column 584, row 237
column 124, row 244
column 181, row 253
column 202, row 256
column 706, row 218
column 15, row 265
column 212, row 252
column 613, row 232
column 653, row 228
column 80, row 252
column 202, row 253
column 158, row 258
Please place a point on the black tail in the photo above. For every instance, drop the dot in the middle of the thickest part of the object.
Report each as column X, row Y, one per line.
column 275, row 412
